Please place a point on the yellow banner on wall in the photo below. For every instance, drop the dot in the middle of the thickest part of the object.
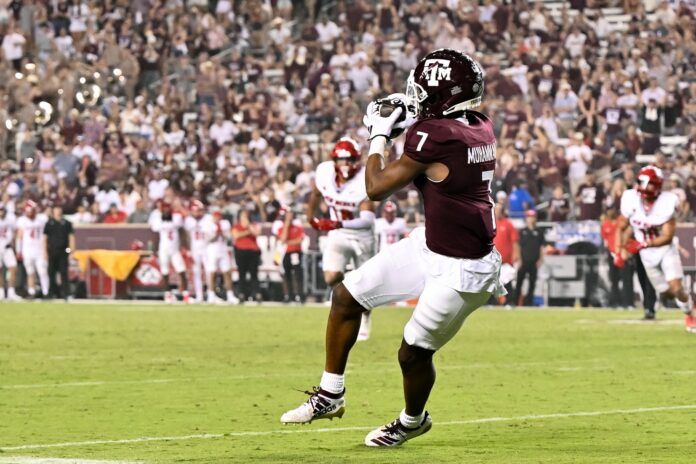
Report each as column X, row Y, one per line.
column 116, row 264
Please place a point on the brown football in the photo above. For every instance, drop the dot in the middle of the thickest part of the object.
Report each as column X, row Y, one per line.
column 386, row 107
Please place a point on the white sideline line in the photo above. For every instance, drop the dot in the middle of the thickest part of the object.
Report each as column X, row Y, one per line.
column 33, row 460
column 346, row 429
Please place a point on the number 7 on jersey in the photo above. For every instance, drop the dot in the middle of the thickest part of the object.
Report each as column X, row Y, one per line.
column 487, row 176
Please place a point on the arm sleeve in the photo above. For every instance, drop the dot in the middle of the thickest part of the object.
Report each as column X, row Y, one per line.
column 626, row 207
column 365, row 221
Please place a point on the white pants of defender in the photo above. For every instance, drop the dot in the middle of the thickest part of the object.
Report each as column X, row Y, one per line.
column 171, row 257
column 217, row 258
column 342, row 248
column 9, row 260
column 665, row 270
column 449, row 288
column 34, row 260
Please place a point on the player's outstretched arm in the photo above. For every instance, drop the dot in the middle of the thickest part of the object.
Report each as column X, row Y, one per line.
column 313, row 203
column 381, row 182
column 666, row 234
column 623, row 233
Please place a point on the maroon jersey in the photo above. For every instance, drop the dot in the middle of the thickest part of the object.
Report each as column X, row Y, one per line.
column 459, row 220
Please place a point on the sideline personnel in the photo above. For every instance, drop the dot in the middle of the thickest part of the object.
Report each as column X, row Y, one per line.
column 59, row 243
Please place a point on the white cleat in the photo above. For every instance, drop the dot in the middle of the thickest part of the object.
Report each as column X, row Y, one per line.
column 231, row 299
column 365, row 326
column 169, row 297
column 320, row 405
column 395, row 434
column 14, row 297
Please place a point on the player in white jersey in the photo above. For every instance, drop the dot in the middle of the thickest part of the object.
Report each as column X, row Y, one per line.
column 168, row 225
column 30, row 232
column 650, row 213
column 218, row 259
column 389, row 228
column 341, row 181
column 197, row 242
column 8, row 259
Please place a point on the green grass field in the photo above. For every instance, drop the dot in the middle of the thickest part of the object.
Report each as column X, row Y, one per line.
column 155, row 383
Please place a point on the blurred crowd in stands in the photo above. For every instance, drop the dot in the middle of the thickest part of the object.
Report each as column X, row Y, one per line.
column 109, row 106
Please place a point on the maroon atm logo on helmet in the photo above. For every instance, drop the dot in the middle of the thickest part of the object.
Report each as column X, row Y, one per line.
column 436, row 70
column 445, row 82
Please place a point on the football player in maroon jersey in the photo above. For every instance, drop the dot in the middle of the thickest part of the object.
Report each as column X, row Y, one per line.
column 451, row 264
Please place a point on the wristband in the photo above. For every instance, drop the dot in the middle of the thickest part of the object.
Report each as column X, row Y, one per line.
column 378, row 145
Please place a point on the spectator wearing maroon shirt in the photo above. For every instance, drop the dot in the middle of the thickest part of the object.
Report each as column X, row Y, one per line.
column 619, row 276
column 290, row 235
column 513, row 117
column 553, row 168
column 559, row 206
column 611, row 116
column 247, row 255
column 590, row 197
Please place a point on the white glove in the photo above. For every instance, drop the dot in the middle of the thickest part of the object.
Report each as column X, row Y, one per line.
column 379, row 125
column 406, row 123
column 410, row 117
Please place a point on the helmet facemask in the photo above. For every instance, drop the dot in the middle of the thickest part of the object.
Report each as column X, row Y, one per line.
column 415, row 95
column 648, row 192
column 649, row 183
column 347, row 170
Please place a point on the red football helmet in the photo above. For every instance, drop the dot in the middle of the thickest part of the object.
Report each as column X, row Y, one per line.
column 30, row 207
column 349, row 150
column 649, row 183
column 444, row 82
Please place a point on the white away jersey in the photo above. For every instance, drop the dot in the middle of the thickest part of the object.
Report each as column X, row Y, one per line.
column 647, row 224
column 168, row 231
column 390, row 232
column 217, row 234
column 196, row 232
column 7, row 228
column 343, row 202
column 32, row 232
